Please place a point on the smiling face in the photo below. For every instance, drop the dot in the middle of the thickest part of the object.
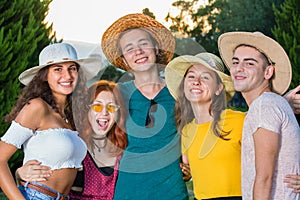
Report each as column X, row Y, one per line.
column 103, row 115
column 138, row 49
column 250, row 70
column 200, row 84
column 62, row 78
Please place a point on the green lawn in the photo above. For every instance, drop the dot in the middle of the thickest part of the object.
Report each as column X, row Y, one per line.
column 189, row 186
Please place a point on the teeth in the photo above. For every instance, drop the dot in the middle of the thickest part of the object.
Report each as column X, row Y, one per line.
column 195, row 90
column 102, row 122
column 66, row 84
column 141, row 60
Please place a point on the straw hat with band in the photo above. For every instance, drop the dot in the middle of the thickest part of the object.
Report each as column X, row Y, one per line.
column 176, row 69
column 110, row 38
column 228, row 42
column 59, row 53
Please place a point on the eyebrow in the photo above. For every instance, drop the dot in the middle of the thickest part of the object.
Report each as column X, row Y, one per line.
column 192, row 71
column 245, row 59
column 140, row 40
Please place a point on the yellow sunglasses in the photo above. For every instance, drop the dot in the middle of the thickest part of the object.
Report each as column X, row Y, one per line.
column 98, row 107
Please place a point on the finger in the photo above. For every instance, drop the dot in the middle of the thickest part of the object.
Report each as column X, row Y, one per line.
column 32, row 162
column 297, row 97
column 292, row 176
column 37, row 177
column 293, row 183
column 185, row 172
column 38, row 166
column 295, row 90
column 42, row 173
column 296, row 190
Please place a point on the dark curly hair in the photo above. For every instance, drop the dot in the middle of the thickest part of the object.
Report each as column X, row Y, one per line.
column 39, row 88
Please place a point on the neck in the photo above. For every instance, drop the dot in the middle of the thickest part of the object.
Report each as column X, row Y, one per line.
column 146, row 77
column 149, row 86
column 250, row 96
column 201, row 113
column 98, row 145
column 60, row 102
column 99, row 138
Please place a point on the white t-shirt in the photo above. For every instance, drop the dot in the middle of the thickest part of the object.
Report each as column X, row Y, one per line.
column 272, row 112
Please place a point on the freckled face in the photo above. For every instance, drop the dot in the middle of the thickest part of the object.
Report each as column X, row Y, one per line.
column 200, row 83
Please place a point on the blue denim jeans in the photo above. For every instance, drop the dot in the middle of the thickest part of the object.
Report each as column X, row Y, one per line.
column 31, row 194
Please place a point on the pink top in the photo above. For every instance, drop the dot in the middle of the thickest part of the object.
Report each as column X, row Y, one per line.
column 96, row 184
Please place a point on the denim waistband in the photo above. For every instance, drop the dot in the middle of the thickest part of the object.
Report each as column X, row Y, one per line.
column 44, row 189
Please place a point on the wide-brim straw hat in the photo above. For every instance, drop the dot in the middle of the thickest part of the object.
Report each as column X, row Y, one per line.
column 110, row 38
column 228, row 42
column 60, row 53
column 176, row 70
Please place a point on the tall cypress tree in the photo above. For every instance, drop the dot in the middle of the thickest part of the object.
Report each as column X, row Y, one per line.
column 23, row 34
column 286, row 32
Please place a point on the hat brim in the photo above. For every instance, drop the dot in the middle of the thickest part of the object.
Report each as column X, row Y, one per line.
column 227, row 43
column 177, row 68
column 161, row 34
column 89, row 66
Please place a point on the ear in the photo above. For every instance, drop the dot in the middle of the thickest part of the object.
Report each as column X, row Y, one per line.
column 269, row 71
column 156, row 50
column 125, row 61
column 219, row 90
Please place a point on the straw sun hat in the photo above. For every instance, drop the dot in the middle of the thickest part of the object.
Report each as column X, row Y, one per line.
column 59, row 53
column 110, row 38
column 227, row 43
column 177, row 68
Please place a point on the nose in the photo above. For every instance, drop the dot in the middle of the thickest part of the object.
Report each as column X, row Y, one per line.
column 237, row 67
column 67, row 74
column 138, row 50
column 104, row 111
column 197, row 81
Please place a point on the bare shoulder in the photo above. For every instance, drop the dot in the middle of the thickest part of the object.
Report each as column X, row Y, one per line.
column 37, row 106
column 33, row 113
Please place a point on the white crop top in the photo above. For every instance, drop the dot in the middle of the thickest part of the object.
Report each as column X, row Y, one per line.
column 57, row 148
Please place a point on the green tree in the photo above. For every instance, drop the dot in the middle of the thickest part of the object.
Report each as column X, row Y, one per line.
column 286, row 32
column 23, row 34
column 146, row 11
column 206, row 22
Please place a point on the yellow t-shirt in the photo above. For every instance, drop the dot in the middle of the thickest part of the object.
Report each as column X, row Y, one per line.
column 215, row 163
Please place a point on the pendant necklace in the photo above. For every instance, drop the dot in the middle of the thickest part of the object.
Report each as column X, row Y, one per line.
column 102, row 147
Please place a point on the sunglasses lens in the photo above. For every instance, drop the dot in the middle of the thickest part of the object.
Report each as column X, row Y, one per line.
column 112, row 108
column 97, row 107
